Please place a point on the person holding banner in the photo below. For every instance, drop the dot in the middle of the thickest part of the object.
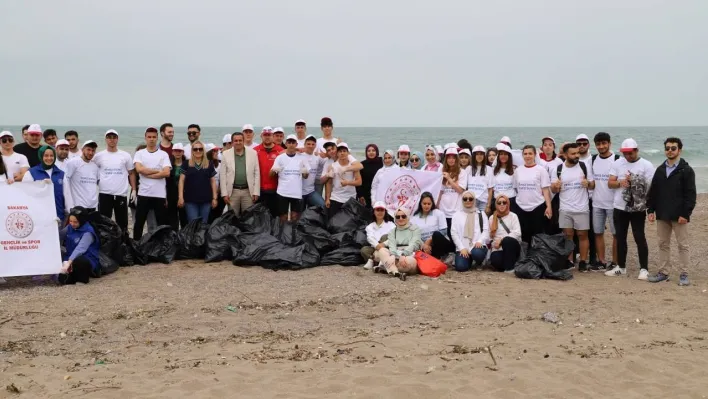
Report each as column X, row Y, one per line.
column 398, row 256
column 454, row 184
column 16, row 164
column 48, row 171
column 404, row 157
column 389, row 162
column 417, row 160
column 81, row 260
column 470, row 233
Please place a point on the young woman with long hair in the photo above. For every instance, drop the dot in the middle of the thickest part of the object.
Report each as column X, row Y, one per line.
column 533, row 196
column 504, row 183
column 454, row 184
column 433, row 227
column 197, row 185
column 480, row 180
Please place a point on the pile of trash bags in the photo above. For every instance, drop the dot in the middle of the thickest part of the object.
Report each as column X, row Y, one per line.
column 546, row 258
column 254, row 239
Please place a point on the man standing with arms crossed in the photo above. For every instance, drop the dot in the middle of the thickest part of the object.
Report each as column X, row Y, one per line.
column 154, row 166
column 672, row 197
column 115, row 171
column 602, row 201
column 240, row 176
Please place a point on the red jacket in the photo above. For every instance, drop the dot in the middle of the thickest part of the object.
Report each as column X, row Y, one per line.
column 266, row 159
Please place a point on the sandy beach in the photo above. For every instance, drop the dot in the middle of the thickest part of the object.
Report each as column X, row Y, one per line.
column 191, row 329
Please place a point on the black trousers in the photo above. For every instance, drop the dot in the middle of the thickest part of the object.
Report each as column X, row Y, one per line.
column 80, row 272
column 506, row 258
column 270, row 200
column 177, row 216
column 532, row 222
column 145, row 205
column 218, row 211
column 637, row 220
column 118, row 204
column 552, row 226
column 442, row 245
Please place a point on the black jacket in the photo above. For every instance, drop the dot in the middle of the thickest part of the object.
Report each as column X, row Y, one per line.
column 675, row 195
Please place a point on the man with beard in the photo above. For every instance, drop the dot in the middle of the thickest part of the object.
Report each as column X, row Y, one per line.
column 602, row 199
column 167, row 134
column 62, row 154
column 50, row 137
column 81, row 179
column 193, row 134
column 72, row 136
column 30, row 149
column 267, row 153
column 572, row 182
column 583, row 143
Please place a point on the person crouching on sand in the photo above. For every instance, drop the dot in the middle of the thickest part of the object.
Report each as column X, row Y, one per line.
column 81, row 260
column 397, row 258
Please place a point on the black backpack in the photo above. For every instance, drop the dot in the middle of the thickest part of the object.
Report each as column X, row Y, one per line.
column 583, row 167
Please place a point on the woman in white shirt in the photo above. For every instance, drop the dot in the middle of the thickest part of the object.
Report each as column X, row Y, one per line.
column 454, row 183
column 480, row 180
column 470, row 233
column 433, row 227
column 431, row 160
column 404, row 157
column 533, row 196
column 504, row 183
column 389, row 162
column 376, row 235
column 465, row 158
column 505, row 233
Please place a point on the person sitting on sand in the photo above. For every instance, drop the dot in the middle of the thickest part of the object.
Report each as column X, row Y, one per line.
column 377, row 234
column 433, row 228
column 470, row 233
column 397, row 258
column 81, row 259
column 505, row 233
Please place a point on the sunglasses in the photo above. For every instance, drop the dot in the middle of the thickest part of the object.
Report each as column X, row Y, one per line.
column 671, row 148
column 192, row 133
column 401, row 217
column 112, row 137
column 415, row 159
column 197, row 149
column 468, row 199
column 583, row 143
column 501, row 203
column 8, row 140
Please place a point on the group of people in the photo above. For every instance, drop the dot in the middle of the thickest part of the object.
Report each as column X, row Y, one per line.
column 492, row 203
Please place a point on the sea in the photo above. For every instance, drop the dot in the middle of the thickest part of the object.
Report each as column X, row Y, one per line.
column 650, row 139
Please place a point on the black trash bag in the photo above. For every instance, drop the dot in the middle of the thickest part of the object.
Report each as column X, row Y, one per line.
column 287, row 233
column 345, row 256
column 130, row 253
column 313, row 217
column 221, row 237
column 191, row 240
column 352, row 216
column 292, row 258
column 361, row 238
column 256, row 219
column 546, row 258
column 108, row 264
column 266, row 250
column 160, row 245
column 319, row 238
column 108, row 232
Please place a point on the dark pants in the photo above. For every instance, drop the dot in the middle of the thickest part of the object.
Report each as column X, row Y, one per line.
column 441, row 245
column 449, row 228
column 145, row 205
column 506, row 258
column 176, row 216
column 214, row 213
column 80, row 272
column 532, row 223
column 270, row 200
column 637, row 220
column 110, row 204
column 552, row 226
column 334, row 207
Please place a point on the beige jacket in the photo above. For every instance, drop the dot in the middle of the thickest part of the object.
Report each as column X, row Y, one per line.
column 227, row 172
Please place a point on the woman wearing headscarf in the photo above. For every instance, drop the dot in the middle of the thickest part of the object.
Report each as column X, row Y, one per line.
column 470, row 233
column 431, row 160
column 398, row 256
column 81, row 259
column 372, row 164
column 417, row 160
column 47, row 171
column 389, row 162
column 505, row 233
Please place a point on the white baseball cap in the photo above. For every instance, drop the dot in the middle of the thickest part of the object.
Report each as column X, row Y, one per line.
column 450, row 145
column 629, row 145
column 110, row 131
column 267, row 129
column 549, row 138
column 379, row 205
column 59, row 142
column 209, row 147
column 582, row 137
column 247, row 126
column 404, row 148
column 503, row 147
column 35, row 128
column 226, row 139
column 89, row 143
column 300, row 121
column 291, row 137
column 465, row 151
column 479, row 148
column 178, row 147
column 439, row 149
column 6, row 133
column 278, row 130
column 506, row 140
column 340, row 145
column 451, row 151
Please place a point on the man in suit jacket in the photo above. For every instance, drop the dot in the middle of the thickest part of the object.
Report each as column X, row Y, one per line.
column 239, row 174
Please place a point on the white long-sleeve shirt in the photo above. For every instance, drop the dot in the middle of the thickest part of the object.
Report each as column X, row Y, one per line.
column 377, row 179
column 481, row 233
column 374, row 232
column 512, row 222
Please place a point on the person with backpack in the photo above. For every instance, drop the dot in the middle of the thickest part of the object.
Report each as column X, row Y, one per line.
column 572, row 182
column 602, row 199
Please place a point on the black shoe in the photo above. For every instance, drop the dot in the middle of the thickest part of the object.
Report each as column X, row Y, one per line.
column 598, row 267
column 569, row 265
column 583, row 267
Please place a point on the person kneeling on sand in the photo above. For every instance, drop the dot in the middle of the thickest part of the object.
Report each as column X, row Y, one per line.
column 377, row 234
column 81, row 259
column 397, row 258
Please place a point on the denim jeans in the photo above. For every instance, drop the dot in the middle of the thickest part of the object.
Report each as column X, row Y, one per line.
column 477, row 255
column 197, row 211
column 313, row 199
column 481, row 205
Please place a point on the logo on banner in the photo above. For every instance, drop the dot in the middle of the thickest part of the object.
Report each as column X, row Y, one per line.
column 19, row 224
column 403, row 192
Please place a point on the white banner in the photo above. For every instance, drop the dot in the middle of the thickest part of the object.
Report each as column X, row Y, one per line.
column 29, row 236
column 401, row 188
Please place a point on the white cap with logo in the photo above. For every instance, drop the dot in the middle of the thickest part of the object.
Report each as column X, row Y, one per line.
column 60, row 142
column 404, row 148
column 629, row 145
column 247, row 126
column 226, row 139
column 34, row 128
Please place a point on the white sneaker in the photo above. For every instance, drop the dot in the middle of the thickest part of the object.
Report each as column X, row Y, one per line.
column 616, row 271
column 369, row 264
column 643, row 274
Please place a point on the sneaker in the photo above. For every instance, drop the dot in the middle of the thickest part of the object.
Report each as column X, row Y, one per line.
column 569, row 265
column 683, row 280
column 616, row 271
column 369, row 264
column 509, row 271
column 643, row 274
column 598, row 267
column 658, row 278
column 583, row 267
column 449, row 260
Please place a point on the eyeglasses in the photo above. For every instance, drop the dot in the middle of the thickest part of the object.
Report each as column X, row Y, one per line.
column 190, row 133
column 401, row 217
column 415, row 159
column 467, row 199
column 8, row 140
column 197, row 149
column 112, row 137
column 501, row 203
column 671, row 148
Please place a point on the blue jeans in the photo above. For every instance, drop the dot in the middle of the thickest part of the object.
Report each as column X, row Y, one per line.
column 481, row 205
column 197, row 211
column 313, row 199
column 477, row 255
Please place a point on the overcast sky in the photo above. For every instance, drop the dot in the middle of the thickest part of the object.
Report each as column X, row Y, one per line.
column 364, row 62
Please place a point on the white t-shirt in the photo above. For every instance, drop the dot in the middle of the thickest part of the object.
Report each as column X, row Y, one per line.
column 504, row 184
column 73, row 155
column 82, row 178
column 573, row 196
column 113, row 168
column 314, row 162
column 253, row 145
column 290, row 174
column 642, row 172
column 479, row 184
column 156, row 160
column 339, row 193
column 603, row 196
column 450, row 200
column 14, row 163
column 530, row 183
column 517, row 156
column 435, row 221
column 61, row 164
column 321, row 141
